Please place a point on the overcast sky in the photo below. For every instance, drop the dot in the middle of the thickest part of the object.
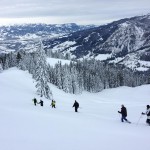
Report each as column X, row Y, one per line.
column 70, row 11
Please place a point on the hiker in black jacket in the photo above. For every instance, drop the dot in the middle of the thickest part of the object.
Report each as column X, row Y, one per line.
column 76, row 106
column 41, row 103
column 123, row 112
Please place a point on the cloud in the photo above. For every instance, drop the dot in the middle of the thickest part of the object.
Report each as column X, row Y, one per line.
column 80, row 11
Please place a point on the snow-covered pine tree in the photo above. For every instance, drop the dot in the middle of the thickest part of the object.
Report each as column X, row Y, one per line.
column 41, row 75
column 74, row 79
column 9, row 60
column 22, row 61
column 6, row 64
column 67, row 79
column 59, row 75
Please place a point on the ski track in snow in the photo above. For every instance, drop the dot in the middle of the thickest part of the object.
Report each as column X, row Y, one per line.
column 96, row 126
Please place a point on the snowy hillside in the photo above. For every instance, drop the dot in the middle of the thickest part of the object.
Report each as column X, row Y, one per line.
column 126, row 41
column 96, row 126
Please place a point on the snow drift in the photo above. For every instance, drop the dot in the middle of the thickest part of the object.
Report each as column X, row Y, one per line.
column 96, row 126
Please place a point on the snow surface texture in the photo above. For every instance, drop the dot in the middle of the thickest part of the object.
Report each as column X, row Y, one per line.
column 96, row 126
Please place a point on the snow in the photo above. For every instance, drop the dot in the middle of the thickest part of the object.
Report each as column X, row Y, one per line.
column 142, row 69
column 125, row 24
column 139, row 34
column 88, row 56
column 5, row 50
column 132, row 61
column 39, row 35
column 116, row 60
column 103, row 56
column 58, row 25
column 87, row 38
column 146, row 63
column 28, row 36
column 63, row 45
column 53, row 61
column 96, row 126
column 71, row 49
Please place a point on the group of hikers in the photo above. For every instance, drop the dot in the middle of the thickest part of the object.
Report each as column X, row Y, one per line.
column 123, row 111
column 53, row 103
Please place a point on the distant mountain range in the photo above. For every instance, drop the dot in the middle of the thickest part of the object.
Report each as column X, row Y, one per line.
column 17, row 37
column 126, row 41
column 28, row 31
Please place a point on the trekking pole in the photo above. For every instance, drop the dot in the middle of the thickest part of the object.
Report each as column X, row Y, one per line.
column 139, row 119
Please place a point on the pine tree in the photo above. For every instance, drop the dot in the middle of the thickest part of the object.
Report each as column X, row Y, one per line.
column 18, row 57
column 41, row 75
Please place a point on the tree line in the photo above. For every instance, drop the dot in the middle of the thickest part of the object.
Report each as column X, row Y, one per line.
column 78, row 76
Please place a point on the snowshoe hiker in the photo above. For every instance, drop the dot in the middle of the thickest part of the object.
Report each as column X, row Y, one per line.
column 123, row 112
column 53, row 104
column 148, row 114
column 34, row 101
column 76, row 106
column 41, row 102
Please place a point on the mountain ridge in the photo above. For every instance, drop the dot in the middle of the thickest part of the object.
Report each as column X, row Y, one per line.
column 119, row 39
column 126, row 41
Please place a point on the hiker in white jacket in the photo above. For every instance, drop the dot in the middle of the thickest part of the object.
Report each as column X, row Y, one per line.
column 148, row 114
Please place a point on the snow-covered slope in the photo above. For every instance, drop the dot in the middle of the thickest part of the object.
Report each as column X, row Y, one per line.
column 96, row 126
column 53, row 61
